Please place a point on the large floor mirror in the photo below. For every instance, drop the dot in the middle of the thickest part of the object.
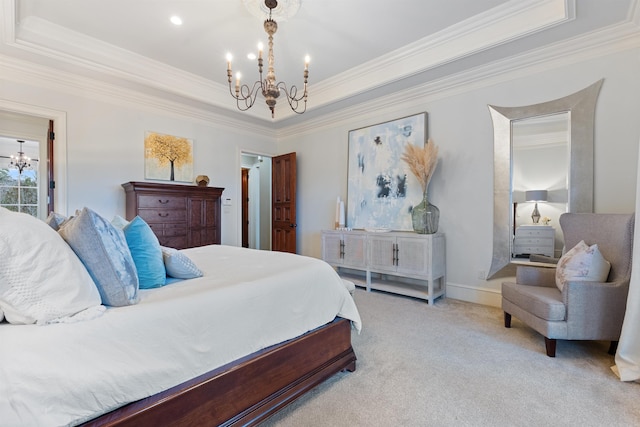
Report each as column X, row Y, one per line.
column 543, row 166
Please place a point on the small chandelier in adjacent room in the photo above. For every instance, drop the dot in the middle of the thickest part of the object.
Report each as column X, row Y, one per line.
column 20, row 162
column 246, row 97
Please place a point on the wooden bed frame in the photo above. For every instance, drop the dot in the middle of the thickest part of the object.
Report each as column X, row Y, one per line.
column 249, row 390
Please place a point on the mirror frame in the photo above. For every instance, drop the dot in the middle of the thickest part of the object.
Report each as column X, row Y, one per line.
column 581, row 107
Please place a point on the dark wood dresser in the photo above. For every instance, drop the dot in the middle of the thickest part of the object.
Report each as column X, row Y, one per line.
column 182, row 216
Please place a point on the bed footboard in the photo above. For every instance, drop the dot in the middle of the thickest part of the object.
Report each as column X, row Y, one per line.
column 249, row 390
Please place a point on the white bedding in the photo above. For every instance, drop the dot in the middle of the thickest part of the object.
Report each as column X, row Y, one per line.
column 64, row 374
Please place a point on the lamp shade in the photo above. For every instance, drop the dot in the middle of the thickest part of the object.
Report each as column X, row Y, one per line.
column 535, row 196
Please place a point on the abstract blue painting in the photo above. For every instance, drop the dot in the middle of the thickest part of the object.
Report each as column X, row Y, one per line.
column 381, row 189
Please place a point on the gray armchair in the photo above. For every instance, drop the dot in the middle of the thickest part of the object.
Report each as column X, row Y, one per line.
column 583, row 310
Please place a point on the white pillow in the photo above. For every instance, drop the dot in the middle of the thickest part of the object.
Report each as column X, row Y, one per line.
column 55, row 220
column 41, row 278
column 582, row 263
column 119, row 222
column 178, row 265
column 1, row 315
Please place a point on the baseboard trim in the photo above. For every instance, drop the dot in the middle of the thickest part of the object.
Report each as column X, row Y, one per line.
column 474, row 294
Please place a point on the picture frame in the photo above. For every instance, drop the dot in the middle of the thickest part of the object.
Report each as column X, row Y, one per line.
column 381, row 190
column 168, row 157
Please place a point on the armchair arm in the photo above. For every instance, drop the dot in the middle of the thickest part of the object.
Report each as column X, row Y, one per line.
column 536, row 276
column 595, row 310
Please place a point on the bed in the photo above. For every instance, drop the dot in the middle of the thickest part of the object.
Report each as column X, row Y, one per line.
column 256, row 331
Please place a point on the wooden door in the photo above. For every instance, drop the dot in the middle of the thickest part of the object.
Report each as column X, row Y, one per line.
column 245, row 207
column 283, row 203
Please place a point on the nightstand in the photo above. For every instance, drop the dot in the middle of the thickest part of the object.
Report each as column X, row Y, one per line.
column 534, row 239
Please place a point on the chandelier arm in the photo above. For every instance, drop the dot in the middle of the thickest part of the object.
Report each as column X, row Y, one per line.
column 246, row 96
column 292, row 99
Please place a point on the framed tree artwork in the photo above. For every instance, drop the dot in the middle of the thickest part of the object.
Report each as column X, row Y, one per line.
column 381, row 190
column 168, row 157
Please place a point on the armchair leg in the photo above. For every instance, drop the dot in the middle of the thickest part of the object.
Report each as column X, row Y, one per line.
column 507, row 320
column 551, row 346
column 613, row 348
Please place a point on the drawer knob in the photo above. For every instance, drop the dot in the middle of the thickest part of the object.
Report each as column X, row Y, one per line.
column 163, row 215
column 163, row 202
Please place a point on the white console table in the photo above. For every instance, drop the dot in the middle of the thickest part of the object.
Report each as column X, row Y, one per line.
column 386, row 258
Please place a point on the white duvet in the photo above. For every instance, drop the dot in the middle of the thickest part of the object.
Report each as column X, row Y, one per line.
column 65, row 374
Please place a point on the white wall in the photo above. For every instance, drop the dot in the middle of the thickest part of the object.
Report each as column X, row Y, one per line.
column 104, row 144
column 462, row 187
column 105, row 148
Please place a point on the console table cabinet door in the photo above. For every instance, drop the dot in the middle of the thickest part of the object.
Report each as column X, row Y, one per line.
column 354, row 250
column 412, row 256
column 382, row 253
column 332, row 248
column 344, row 249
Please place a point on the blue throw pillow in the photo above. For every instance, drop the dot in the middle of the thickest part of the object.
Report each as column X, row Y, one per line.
column 146, row 253
column 103, row 250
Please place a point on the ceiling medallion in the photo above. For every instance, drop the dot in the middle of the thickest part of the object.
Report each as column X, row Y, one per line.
column 281, row 11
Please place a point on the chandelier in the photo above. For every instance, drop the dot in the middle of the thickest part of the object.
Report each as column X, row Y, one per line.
column 20, row 162
column 246, row 97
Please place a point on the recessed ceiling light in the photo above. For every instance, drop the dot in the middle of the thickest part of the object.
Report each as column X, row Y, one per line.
column 252, row 56
column 176, row 20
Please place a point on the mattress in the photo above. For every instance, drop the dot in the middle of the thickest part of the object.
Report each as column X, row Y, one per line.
column 65, row 374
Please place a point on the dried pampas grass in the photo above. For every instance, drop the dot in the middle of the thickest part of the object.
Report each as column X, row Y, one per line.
column 422, row 161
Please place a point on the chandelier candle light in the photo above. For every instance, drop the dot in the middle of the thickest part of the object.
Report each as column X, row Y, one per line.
column 246, row 97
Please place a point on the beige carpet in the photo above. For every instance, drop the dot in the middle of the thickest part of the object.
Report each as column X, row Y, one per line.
column 454, row 364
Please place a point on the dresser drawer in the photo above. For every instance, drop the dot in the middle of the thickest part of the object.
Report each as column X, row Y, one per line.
column 534, row 241
column 177, row 242
column 163, row 215
column 178, row 229
column 527, row 232
column 539, row 250
column 169, row 229
column 146, row 201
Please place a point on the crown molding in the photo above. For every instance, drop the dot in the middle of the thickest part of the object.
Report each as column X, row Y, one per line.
column 497, row 26
column 21, row 71
column 617, row 38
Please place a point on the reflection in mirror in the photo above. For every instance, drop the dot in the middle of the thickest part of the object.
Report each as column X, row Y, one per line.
column 540, row 183
column 580, row 110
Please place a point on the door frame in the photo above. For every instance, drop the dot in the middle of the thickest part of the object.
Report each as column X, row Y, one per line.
column 240, row 153
column 60, row 147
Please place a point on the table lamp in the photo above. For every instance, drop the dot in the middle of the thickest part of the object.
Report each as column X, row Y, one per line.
column 535, row 196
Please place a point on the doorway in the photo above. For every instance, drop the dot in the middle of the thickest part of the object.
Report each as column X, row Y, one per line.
column 14, row 120
column 24, row 163
column 256, row 170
